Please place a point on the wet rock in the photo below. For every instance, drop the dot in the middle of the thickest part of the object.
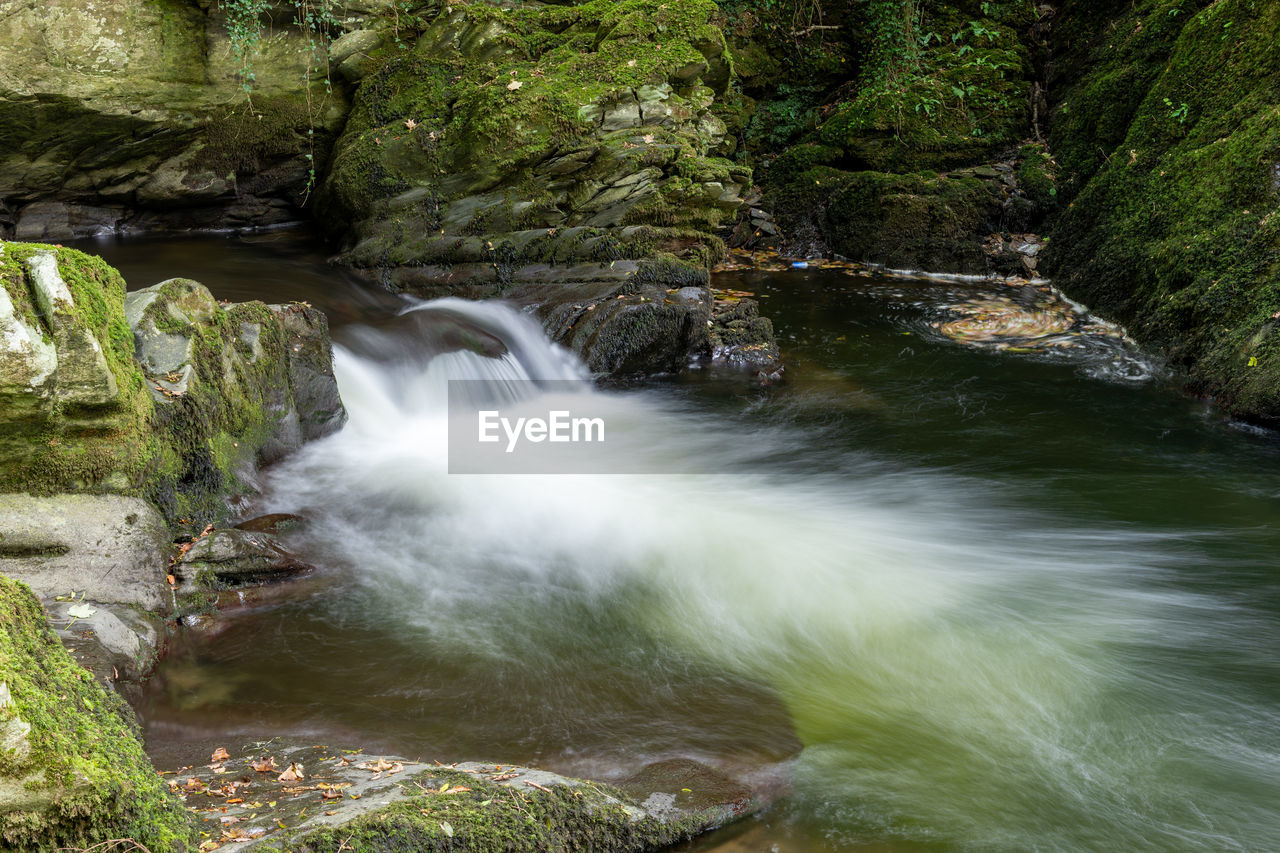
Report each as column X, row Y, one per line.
column 310, row 353
column 276, row 522
column 106, row 548
column 742, row 338
column 231, row 558
column 45, row 221
column 382, row 802
column 130, row 114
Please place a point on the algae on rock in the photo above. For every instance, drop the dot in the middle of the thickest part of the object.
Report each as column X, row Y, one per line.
column 1169, row 131
column 72, row 769
column 213, row 390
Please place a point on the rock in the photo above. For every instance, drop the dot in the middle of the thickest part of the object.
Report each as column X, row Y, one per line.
column 77, row 774
column 394, row 804
column 84, row 377
column 106, row 548
column 740, row 337
column 535, row 178
column 129, row 113
column 55, row 220
column 310, row 353
column 230, row 558
column 276, row 522
column 120, row 644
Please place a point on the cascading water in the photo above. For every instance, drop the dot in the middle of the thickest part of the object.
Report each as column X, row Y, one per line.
column 959, row 672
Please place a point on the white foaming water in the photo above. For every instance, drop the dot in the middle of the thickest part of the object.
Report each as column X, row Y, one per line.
column 958, row 671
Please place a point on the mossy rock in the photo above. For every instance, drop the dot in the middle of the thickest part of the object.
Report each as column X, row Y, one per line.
column 1175, row 231
column 72, row 769
column 918, row 221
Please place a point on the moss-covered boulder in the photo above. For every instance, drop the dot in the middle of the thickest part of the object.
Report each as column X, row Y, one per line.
column 1168, row 127
column 503, row 118
column 165, row 394
column 72, row 769
column 515, row 146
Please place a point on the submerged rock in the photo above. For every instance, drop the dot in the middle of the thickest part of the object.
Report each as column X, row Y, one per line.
column 311, row 799
column 230, row 558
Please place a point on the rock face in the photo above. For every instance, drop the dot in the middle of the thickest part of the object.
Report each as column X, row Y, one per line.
column 1165, row 126
column 131, row 115
column 563, row 156
column 72, row 770
column 164, row 394
column 384, row 803
column 106, row 548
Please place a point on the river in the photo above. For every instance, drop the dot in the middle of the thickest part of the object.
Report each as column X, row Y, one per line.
column 961, row 598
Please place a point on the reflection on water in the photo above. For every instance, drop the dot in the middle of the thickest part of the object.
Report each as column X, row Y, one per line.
column 971, row 599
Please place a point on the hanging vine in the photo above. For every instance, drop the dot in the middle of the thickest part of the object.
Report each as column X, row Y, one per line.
column 246, row 22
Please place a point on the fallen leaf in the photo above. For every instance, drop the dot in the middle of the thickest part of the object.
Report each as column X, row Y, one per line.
column 330, row 795
column 293, row 774
column 631, row 63
column 514, row 84
column 81, row 611
column 447, row 828
column 265, row 765
column 410, row 123
column 648, row 139
column 220, row 754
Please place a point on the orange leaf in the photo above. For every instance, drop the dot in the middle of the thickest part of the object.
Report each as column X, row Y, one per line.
column 220, row 754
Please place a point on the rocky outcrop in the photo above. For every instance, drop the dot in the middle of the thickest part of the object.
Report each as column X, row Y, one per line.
column 1165, row 126
column 132, row 116
column 569, row 157
column 72, row 769
column 165, row 394
column 892, row 138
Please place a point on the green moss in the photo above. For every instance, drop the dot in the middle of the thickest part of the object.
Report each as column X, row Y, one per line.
column 920, row 221
column 80, row 449
column 491, row 817
column 957, row 98
column 1176, row 232
column 489, row 94
column 86, row 773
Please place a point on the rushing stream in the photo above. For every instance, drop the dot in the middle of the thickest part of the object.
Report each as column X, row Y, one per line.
column 963, row 599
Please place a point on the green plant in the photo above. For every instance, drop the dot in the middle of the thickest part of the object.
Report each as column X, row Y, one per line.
column 316, row 20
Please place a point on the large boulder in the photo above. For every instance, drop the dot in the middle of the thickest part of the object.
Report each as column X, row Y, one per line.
column 164, row 394
column 73, row 773
column 107, row 548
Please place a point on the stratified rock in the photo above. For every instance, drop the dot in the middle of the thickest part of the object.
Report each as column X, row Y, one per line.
column 106, row 548
column 131, row 114
column 73, row 774
column 516, row 149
